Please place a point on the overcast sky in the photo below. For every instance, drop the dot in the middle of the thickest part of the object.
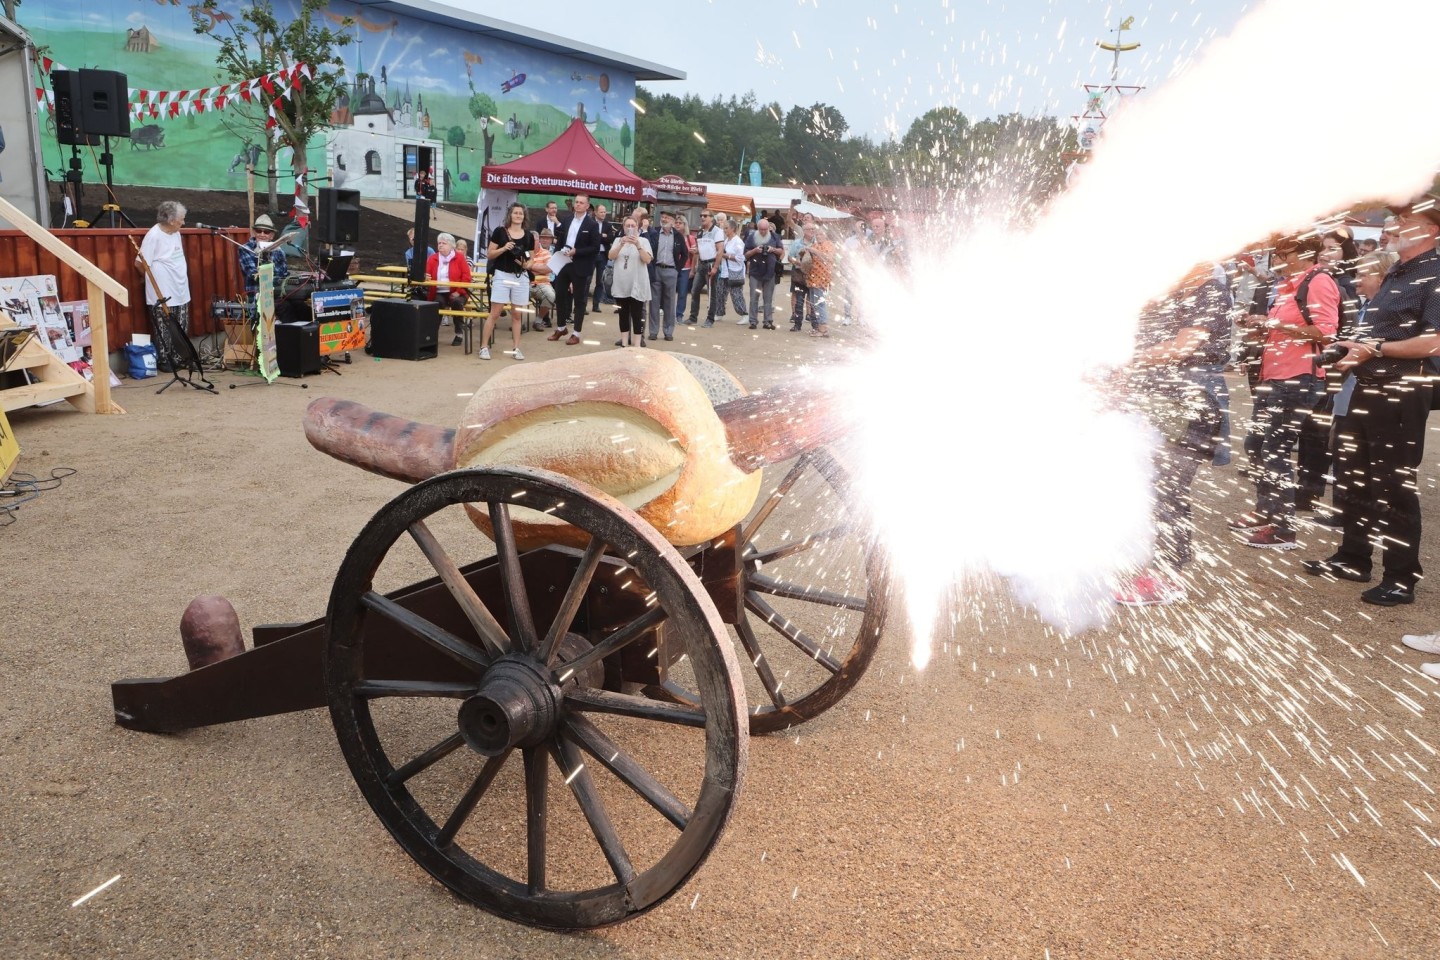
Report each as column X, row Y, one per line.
column 885, row 63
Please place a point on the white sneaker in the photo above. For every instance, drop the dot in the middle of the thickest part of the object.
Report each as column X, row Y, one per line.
column 1431, row 670
column 484, row 353
column 518, row 355
column 743, row 321
column 1425, row 643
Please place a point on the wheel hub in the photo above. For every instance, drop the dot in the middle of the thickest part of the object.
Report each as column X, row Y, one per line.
column 518, row 705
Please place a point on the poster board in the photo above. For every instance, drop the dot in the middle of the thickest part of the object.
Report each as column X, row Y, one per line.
column 265, row 307
column 341, row 317
column 34, row 302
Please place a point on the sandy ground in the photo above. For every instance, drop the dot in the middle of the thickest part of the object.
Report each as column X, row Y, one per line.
column 1178, row 784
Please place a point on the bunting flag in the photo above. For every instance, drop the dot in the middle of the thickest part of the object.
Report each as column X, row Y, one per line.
column 169, row 104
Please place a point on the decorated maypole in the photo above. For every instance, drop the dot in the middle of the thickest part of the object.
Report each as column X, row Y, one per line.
column 1102, row 100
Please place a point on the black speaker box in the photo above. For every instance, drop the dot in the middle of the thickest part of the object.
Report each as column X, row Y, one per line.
column 339, row 216
column 405, row 329
column 104, row 103
column 297, row 348
column 68, row 128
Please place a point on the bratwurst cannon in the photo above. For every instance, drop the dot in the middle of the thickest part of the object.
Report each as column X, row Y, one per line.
column 640, row 515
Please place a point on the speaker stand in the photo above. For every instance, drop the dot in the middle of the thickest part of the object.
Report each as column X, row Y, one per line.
column 111, row 209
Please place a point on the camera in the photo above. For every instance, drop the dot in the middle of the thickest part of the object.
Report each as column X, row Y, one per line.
column 1331, row 354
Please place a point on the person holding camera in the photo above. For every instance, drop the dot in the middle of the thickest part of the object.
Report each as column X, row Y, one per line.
column 1305, row 313
column 1381, row 433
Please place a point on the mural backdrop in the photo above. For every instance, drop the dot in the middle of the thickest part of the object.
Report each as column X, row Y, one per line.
column 478, row 99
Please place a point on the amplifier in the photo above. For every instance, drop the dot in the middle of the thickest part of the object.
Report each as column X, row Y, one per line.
column 405, row 329
column 297, row 348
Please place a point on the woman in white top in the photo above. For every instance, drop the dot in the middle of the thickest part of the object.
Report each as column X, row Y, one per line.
column 162, row 250
column 630, row 255
column 731, row 279
column 510, row 249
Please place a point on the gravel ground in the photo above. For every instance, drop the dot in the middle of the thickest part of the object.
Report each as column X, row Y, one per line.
column 1219, row 779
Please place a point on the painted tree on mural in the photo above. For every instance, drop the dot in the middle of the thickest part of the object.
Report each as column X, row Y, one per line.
column 455, row 137
column 258, row 43
column 625, row 142
column 483, row 109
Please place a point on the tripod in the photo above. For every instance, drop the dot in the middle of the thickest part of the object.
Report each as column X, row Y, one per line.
column 111, row 209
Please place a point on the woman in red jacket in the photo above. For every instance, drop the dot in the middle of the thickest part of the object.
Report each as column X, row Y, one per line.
column 447, row 266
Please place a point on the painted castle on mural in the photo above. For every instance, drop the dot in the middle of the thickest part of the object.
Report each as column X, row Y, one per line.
column 409, row 83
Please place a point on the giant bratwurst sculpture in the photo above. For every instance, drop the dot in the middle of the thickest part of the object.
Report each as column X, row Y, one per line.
column 675, row 438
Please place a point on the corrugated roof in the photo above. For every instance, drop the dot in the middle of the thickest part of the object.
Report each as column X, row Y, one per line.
column 500, row 30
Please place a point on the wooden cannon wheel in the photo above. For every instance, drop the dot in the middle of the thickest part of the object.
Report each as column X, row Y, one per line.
column 813, row 595
column 525, row 684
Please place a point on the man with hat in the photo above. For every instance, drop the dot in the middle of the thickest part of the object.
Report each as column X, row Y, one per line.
column 261, row 246
column 1381, row 430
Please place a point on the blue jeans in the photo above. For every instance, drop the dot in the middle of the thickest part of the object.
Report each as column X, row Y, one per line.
column 1280, row 407
column 682, row 288
column 1212, row 378
column 817, row 305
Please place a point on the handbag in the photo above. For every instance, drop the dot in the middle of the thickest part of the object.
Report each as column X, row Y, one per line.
column 607, row 276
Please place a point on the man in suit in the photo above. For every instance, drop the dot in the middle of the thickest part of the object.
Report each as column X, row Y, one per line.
column 551, row 219
column 608, row 235
column 670, row 251
column 577, row 238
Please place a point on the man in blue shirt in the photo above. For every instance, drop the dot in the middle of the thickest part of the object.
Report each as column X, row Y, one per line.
column 259, row 248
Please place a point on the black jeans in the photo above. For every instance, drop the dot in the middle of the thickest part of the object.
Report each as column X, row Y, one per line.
column 1280, row 407
column 599, row 288
column 572, row 289
column 1379, row 445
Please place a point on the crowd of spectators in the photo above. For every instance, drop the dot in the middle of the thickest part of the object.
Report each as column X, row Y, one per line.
column 1339, row 342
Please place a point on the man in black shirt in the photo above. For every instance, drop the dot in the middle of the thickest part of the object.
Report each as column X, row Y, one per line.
column 1381, row 436
column 1178, row 339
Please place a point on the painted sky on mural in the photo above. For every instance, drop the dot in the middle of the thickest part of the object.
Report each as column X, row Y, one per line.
column 883, row 64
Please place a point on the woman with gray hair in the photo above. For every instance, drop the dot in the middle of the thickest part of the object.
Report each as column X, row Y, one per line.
column 447, row 267
column 162, row 250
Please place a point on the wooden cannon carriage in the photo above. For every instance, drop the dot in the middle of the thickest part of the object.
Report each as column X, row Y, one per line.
column 592, row 648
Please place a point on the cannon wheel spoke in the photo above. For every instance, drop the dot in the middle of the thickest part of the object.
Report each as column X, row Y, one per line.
column 793, row 547
column 511, row 576
column 448, row 790
column 537, row 790
column 776, row 496
column 492, row 635
column 758, row 661
column 783, row 626
column 602, row 748
column 472, row 796
column 794, row 591
column 582, row 785
column 623, row 637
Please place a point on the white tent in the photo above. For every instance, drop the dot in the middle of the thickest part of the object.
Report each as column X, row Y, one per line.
column 777, row 198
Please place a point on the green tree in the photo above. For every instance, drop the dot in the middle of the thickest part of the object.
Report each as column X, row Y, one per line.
column 455, row 136
column 625, row 141
column 258, row 43
column 483, row 109
column 941, row 130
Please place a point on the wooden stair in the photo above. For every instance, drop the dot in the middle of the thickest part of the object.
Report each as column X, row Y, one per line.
column 54, row 378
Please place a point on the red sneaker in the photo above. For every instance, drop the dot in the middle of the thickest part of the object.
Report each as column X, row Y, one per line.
column 1149, row 589
column 1247, row 522
column 1271, row 537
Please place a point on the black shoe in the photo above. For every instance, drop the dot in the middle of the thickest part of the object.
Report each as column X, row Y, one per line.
column 457, row 341
column 1389, row 594
column 693, row 320
column 768, row 326
column 752, row 326
column 1335, row 521
column 796, row 328
column 668, row 337
column 1337, row 569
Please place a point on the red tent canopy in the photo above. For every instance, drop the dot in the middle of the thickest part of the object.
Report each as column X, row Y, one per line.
column 572, row 163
